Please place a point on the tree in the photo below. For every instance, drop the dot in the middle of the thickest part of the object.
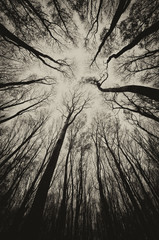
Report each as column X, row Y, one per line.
column 34, row 219
column 141, row 207
column 61, row 218
column 105, row 208
column 68, row 172
column 17, row 161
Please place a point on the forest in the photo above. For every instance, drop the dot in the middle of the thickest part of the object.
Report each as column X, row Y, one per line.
column 79, row 119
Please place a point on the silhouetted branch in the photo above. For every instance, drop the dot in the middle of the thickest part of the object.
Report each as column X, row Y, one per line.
column 7, row 35
column 153, row 28
column 152, row 93
column 123, row 4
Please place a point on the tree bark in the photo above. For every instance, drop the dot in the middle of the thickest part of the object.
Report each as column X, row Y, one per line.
column 152, row 93
column 31, row 228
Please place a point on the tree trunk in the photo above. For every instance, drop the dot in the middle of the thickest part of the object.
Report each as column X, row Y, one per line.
column 31, row 228
column 61, row 220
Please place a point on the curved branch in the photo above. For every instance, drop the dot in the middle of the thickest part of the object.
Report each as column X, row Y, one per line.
column 152, row 93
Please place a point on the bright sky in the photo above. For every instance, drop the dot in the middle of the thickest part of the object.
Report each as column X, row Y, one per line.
column 81, row 59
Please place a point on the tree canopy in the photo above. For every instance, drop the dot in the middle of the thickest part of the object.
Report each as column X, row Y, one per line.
column 79, row 119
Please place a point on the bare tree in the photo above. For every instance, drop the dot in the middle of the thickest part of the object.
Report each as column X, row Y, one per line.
column 34, row 218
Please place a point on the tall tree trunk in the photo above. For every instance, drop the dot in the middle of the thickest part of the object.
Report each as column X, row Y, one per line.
column 137, row 210
column 105, row 209
column 31, row 227
column 79, row 197
column 61, row 220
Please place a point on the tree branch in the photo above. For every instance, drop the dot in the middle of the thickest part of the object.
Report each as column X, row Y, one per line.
column 123, row 4
column 153, row 28
column 6, row 34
